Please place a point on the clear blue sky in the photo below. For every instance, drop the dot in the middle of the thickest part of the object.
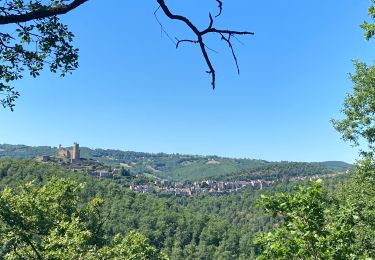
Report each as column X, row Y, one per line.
column 135, row 91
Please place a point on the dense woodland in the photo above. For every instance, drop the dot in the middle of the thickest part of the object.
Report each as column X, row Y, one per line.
column 203, row 227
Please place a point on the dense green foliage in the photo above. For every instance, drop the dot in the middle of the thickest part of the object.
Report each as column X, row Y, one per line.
column 184, row 228
column 318, row 224
column 308, row 227
column 204, row 227
column 286, row 171
column 46, row 222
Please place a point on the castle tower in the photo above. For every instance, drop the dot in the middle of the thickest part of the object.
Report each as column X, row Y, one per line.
column 75, row 152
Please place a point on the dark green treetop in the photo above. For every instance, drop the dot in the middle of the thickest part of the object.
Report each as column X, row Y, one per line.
column 48, row 222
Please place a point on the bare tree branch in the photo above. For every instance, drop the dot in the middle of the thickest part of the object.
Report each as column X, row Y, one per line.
column 220, row 5
column 162, row 28
column 225, row 35
column 168, row 13
column 231, row 48
column 180, row 41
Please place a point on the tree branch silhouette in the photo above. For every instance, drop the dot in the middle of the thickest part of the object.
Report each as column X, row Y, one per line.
column 224, row 34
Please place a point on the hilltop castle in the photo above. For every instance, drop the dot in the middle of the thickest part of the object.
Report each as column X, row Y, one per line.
column 73, row 154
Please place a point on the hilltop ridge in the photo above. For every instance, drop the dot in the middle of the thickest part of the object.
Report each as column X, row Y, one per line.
column 180, row 167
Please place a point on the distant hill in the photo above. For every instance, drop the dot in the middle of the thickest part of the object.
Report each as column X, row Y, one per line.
column 338, row 165
column 24, row 151
column 180, row 167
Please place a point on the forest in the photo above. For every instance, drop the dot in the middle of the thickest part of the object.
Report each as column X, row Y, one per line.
column 204, row 227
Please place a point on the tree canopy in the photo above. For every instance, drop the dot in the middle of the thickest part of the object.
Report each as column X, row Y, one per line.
column 48, row 222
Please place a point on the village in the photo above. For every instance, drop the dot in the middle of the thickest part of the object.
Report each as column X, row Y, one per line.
column 71, row 159
column 213, row 187
column 199, row 187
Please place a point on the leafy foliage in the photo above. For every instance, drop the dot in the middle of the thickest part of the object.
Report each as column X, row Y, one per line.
column 45, row 41
column 320, row 225
column 204, row 227
column 310, row 226
column 359, row 200
column 133, row 246
column 46, row 222
column 359, row 108
column 369, row 27
column 286, row 171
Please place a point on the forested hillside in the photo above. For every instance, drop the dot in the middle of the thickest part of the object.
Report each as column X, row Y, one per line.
column 203, row 227
column 178, row 167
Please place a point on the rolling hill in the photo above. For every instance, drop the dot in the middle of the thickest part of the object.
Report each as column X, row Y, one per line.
column 181, row 167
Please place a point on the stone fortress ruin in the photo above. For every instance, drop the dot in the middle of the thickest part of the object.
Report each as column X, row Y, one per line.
column 73, row 154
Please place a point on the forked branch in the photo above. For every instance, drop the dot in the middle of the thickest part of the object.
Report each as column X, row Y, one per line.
column 225, row 35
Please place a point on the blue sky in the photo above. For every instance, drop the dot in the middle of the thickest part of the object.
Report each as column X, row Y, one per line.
column 135, row 91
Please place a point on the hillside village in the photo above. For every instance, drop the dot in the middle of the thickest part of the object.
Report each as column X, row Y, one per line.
column 71, row 158
column 213, row 187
